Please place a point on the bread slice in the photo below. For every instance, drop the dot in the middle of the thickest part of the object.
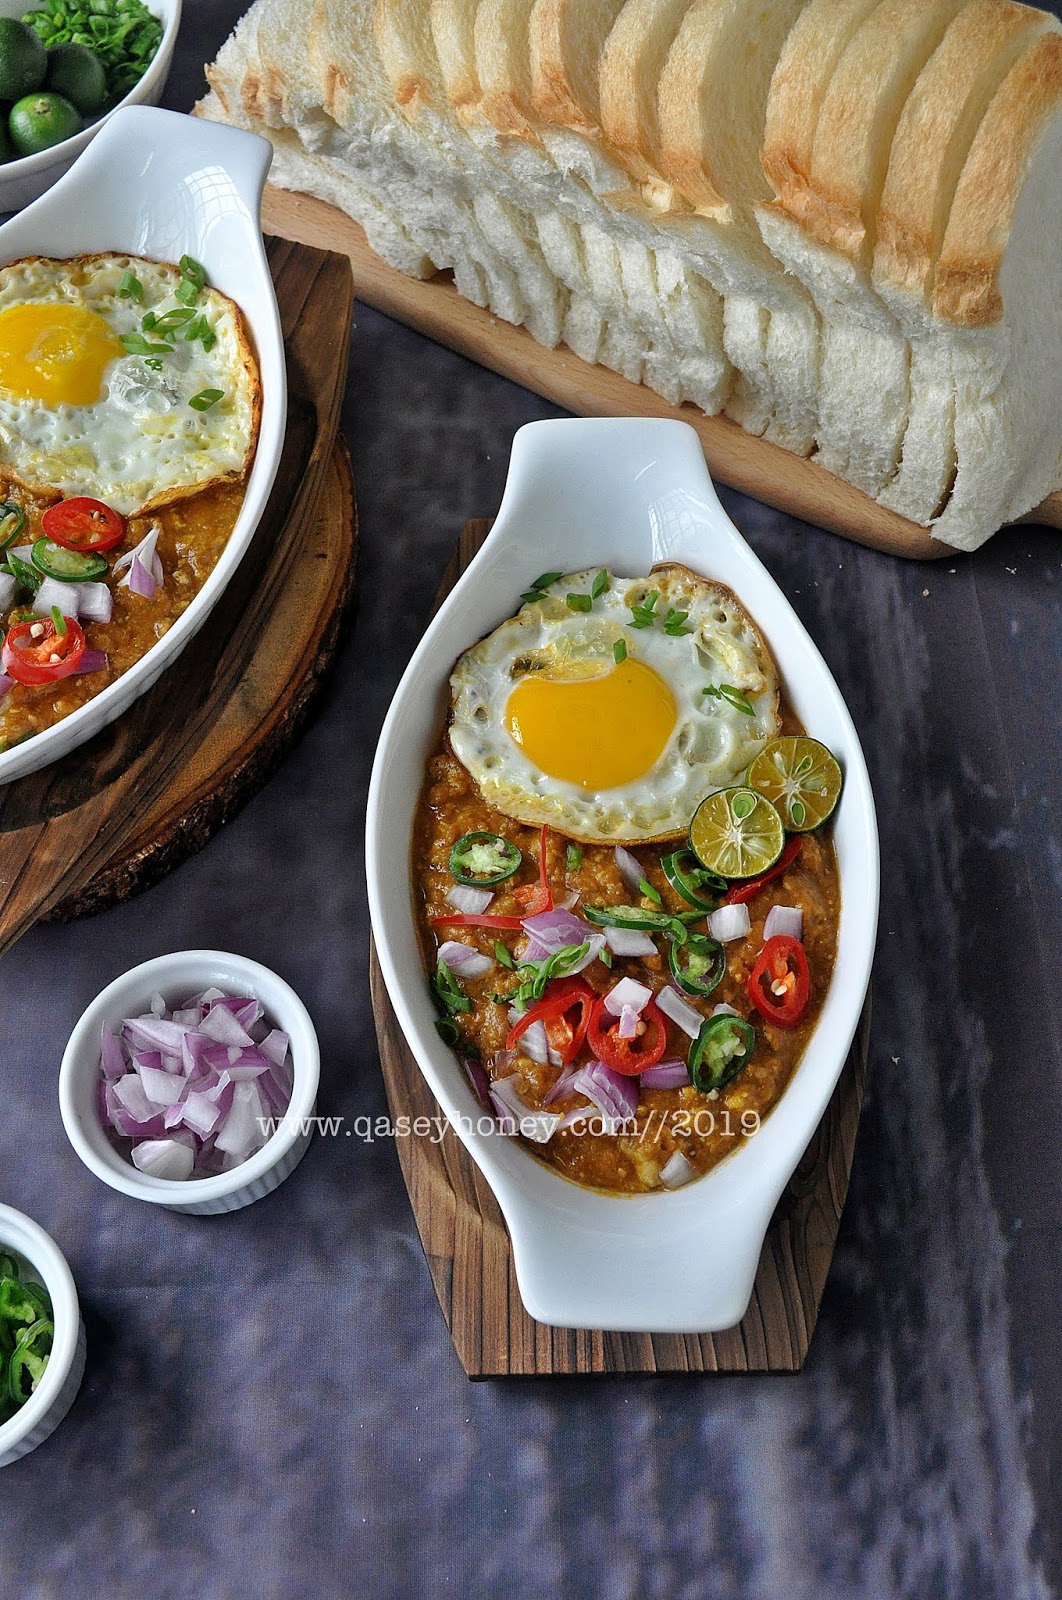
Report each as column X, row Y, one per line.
column 932, row 142
column 565, row 41
column 632, row 61
column 998, row 285
column 822, row 230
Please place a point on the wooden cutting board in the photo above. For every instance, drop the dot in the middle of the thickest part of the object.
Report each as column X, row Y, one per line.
column 754, row 466
column 82, row 816
column 467, row 1246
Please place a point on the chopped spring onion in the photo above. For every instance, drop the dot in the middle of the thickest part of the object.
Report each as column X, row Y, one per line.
column 644, row 615
column 619, row 652
column 130, row 287
column 206, row 398
column 734, row 697
column 729, row 922
column 787, row 920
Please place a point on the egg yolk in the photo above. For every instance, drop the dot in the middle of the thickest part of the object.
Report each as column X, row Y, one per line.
column 597, row 732
column 54, row 353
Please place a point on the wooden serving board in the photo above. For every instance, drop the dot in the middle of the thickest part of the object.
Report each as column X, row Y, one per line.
column 754, row 466
column 467, row 1246
column 91, row 814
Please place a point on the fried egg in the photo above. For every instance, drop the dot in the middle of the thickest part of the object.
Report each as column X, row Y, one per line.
column 81, row 415
column 602, row 729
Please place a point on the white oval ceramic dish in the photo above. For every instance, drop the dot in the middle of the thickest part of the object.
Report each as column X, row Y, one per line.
column 175, row 977
column 54, row 1395
column 26, row 177
column 624, row 495
column 157, row 184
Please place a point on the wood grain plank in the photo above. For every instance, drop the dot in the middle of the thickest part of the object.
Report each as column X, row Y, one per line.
column 59, row 827
column 467, row 1247
column 757, row 467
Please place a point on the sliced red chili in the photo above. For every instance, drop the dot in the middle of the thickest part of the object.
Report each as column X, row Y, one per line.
column 563, row 996
column 533, row 898
column 747, row 891
column 35, row 652
column 537, row 898
column 629, row 1056
column 780, row 983
column 84, row 524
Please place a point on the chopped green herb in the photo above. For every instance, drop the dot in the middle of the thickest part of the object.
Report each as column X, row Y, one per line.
column 448, row 1030
column 176, row 317
column 137, row 345
column 649, row 892
column 206, row 398
column 58, row 622
column 644, row 615
column 734, row 697
column 148, row 321
column 573, row 858
column 535, row 975
column 546, row 580
column 130, row 287
column 674, row 623
column 605, row 957
column 187, row 292
column 503, row 955
column 578, row 602
column 599, row 585
column 449, row 994
column 153, row 362
column 193, row 271
column 122, row 34
column 619, row 651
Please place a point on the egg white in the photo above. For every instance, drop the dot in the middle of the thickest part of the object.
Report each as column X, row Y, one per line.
column 140, row 445
column 710, row 745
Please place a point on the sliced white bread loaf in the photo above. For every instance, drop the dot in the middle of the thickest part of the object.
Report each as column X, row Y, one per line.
column 998, row 284
column 821, row 229
column 929, row 151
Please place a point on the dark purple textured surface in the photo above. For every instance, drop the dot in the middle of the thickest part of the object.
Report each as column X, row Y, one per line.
column 272, row 1407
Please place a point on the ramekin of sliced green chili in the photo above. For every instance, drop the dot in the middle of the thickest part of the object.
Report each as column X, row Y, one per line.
column 26, row 1333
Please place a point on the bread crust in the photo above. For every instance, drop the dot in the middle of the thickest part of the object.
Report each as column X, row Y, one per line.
column 935, row 132
column 453, row 24
column 565, row 40
column 813, row 48
column 967, row 289
column 503, row 65
column 393, row 24
column 631, row 64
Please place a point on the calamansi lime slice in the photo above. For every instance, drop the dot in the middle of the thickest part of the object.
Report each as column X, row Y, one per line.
column 737, row 833
column 800, row 777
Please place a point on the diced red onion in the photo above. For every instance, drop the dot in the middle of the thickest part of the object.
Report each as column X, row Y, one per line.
column 220, row 1024
column 91, row 661
column 86, row 602
column 615, row 1096
column 141, row 580
column 569, row 901
column 729, row 922
column 551, row 931
column 665, row 1075
column 168, row 1078
column 164, row 1158
column 786, row 920
column 467, row 900
column 477, row 1077
column 7, row 591
column 462, row 959
column 629, row 942
column 630, row 870
column 723, row 1010
column 24, row 553
column 562, row 1087
column 507, row 1123
column 538, row 1126
column 534, row 1043
column 628, row 1023
column 144, row 557
column 576, row 1114
column 684, row 1016
column 6, row 683
column 677, row 1171
column 628, row 993
column 112, row 1060
column 161, row 1088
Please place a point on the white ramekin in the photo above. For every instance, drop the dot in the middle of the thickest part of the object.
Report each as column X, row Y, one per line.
column 23, row 179
column 54, row 1395
column 175, row 977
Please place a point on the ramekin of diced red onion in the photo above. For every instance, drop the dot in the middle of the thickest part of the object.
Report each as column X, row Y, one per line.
column 191, row 1082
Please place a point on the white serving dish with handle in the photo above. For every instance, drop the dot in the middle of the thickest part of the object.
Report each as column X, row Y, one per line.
column 158, row 184
column 622, row 494
column 25, row 177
